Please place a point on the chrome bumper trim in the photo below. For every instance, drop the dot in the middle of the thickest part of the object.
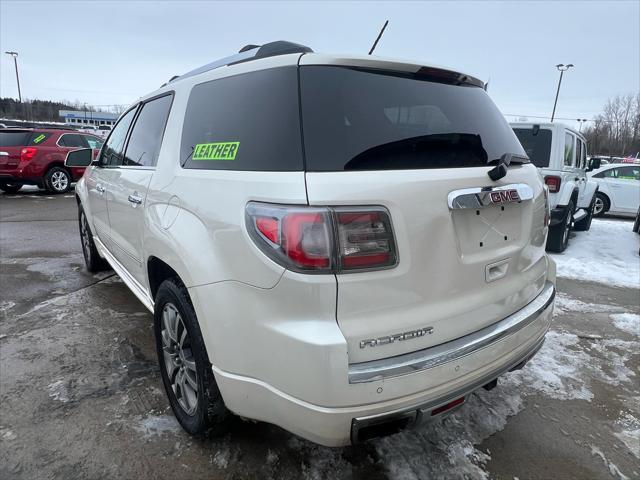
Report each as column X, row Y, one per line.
column 447, row 352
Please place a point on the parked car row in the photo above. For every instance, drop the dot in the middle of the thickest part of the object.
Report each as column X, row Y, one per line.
column 36, row 157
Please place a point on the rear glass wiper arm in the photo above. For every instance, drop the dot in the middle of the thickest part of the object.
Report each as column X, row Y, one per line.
column 500, row 170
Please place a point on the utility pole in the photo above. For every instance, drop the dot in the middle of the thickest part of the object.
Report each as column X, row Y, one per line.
column 15, row 63
column 562, row 68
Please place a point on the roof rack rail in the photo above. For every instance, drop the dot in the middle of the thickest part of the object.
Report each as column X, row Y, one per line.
column 247, row 53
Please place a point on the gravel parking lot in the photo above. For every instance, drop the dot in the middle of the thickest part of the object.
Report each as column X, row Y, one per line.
column 81, row 395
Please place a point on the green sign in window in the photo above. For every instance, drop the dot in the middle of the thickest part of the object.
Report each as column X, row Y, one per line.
column 216, row 151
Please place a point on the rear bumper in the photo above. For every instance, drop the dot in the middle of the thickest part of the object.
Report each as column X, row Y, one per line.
column 408, row 387
column 12, row 177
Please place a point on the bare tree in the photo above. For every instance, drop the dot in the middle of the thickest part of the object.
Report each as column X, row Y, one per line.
column 616, row 131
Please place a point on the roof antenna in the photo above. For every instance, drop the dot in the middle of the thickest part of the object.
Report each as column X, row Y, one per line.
column 375, row 44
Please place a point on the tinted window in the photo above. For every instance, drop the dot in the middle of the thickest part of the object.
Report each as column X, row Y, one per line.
column 146, row 137
column 94, row 142
column 72, row 140
column 363, row 120
column 578, row 153
column 536, row 143
column 629, row 173
column 245, row 122
column 13, row 139
column 38, row 138
column 568, row 149
column 111, row 155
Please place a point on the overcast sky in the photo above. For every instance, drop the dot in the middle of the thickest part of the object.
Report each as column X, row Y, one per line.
column 113, row 52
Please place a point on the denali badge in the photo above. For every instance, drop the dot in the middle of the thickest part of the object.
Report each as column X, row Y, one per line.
column 505, row 196
column 374, row 342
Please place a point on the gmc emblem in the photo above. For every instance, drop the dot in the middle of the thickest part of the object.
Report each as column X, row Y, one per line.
column 504, row 196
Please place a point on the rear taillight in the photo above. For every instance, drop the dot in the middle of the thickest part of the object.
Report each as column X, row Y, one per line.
column 553, row 183
column 27, row 153
column 323, row 239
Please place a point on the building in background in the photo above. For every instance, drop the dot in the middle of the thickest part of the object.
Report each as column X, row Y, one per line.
column 81, row 118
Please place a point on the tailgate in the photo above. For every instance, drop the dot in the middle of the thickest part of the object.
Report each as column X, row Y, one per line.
column 459, row 270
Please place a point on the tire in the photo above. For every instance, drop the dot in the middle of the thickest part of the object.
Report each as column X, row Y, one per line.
column 92, row 259
column 57, row 180
column 636, row 224
column 184, row 364
column 602, row 205
column 559, row 234
column 10, row 187
column 585, row 224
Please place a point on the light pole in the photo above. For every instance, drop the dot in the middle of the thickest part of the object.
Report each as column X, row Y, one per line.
column 581, row 121
column 15, row 62
column 563, row 68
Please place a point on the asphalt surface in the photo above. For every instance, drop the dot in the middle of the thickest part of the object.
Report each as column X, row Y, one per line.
column 81, row 395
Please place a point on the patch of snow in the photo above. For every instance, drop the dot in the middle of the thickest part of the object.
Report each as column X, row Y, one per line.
column 627, row 322
column 7, row 434
column 607, row 253
column 613, row 469
column 629, row 433
column 272, row 457
column 320, row 462
column 556, row 370
column 221, row 457
column 157, row 425
column 6, row 305
column 565, row 303
column 58, row 391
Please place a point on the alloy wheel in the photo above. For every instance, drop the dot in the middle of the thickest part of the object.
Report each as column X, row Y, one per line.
column 179, row 362
column 598, row 206
column 59, row 181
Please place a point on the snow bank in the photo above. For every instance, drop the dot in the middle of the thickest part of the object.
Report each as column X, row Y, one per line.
column 608, row 253
column 627, row 322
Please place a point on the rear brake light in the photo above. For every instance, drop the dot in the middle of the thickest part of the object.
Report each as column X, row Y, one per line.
column 28, row 153
column 553, row 183
column 323, row 240
column 448, row 406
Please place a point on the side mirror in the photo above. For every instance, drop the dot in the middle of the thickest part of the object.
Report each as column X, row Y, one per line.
column 79, row 158
column 594, row 164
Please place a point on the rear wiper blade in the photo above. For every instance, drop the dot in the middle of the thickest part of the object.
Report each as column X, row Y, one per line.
column 500, row 170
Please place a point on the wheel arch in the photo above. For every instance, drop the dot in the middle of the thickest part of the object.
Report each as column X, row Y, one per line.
column 607, row 204
column 157, row 272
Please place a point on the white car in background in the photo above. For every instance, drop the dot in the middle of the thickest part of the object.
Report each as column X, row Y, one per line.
column 618, row 189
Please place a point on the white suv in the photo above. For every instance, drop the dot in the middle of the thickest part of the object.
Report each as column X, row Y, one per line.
column 319, row 240
column 561, row 155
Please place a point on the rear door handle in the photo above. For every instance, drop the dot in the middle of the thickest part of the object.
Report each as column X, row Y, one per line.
column 100, row 189
column 135, row 198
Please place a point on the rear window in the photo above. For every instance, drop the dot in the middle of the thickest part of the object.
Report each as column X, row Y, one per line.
column 245, row 122
column 13, row 139
column 364, row 120
column 536, row 143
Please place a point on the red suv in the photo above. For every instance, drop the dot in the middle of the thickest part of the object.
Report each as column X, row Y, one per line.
column 36, row 157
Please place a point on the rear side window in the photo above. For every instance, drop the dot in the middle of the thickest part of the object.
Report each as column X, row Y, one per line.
column 72, row 140
column 245, row 122
column 13, row 139
column 568, row 149
column 94, row 142
column 146, row 137
column 38, row 138
column 536, row 143
column 368, row 120
column 112, row 153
